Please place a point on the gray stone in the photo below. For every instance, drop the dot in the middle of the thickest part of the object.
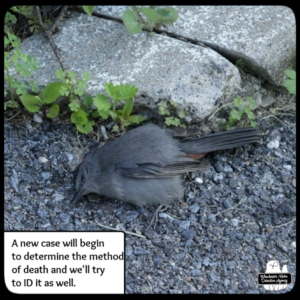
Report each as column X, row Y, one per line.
column 255, row 34
column 140, row 251
column 196, row 73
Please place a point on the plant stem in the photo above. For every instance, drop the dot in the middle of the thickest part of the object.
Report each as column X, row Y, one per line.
column 137, row 13
column 9, row 83
column 48, row 34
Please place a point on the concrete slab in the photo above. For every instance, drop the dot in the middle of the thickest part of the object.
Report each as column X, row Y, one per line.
column 264, row 37
column 161, row 67
column 167, row 68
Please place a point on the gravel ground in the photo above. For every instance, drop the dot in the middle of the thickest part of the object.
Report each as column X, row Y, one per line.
column 234, row 217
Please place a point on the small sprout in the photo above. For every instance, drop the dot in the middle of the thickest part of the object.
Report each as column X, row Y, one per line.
column 290, row 84
column 148, row 18
column 242, row 109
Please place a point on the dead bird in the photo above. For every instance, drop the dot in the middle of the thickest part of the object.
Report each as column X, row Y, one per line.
column 144, row 166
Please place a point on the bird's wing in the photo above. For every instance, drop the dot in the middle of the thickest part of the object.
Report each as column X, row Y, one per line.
column 155, row 170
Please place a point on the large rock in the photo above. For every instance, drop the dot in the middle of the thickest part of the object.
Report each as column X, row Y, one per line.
column 166, row 68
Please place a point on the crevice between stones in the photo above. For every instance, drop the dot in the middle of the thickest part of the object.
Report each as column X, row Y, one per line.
column 249, row 65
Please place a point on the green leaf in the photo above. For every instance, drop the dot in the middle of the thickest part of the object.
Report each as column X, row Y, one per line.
column 231, row 122
column 71, row 75
column 163, row 108
column 251, row 102
column 112, row 91
column 11, row 104
column 236, row 115
column 247, row 109
column 116, row 128
column 15, row 83
column 181, row 114
column 116, row 114
column 173, row 103
column 290, row 73
column 95, row 114
column 238, row 101
column 74, row 105
column 131, row 23
column 249, row 113
column 23, row 56
column 6, row 42
column 15, row 42
column 163, row 12
column 35, row 64
column 79, row 117
column 34, row 86
column 86, row 128
column 15, row 59
column 21, row 87
column 15, row 9
column 101, row 103
column 31, row 103
column 86, row 76
column 18, row 67
column 254, row 124
column 127, row 109
column 290, row 85
column 81, row 84
column 136, row 119
column 172, row 121
column 176, row 122
column 151, row 14
column 125, row 123
column 24, row 10
column 127, row 91
column 87, row 100
column 60, row 74
column 53, row 112
column 25, row 73
column 64, row 90
column 88, row 9
column 104, row 114
column 17, row 51
column 10, row 18
column 169, row 14
column 52, row 91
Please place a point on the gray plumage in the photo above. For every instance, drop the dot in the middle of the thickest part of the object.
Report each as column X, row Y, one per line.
column 144, row 166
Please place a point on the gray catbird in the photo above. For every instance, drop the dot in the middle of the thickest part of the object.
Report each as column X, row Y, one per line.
column 144, row 166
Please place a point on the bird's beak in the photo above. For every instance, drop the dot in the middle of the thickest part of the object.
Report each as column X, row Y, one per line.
column 78, row 195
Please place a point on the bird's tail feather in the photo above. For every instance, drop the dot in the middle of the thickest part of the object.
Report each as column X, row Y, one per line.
column 221, row 140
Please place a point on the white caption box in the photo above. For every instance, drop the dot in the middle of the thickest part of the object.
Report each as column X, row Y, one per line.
column 64, row 262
